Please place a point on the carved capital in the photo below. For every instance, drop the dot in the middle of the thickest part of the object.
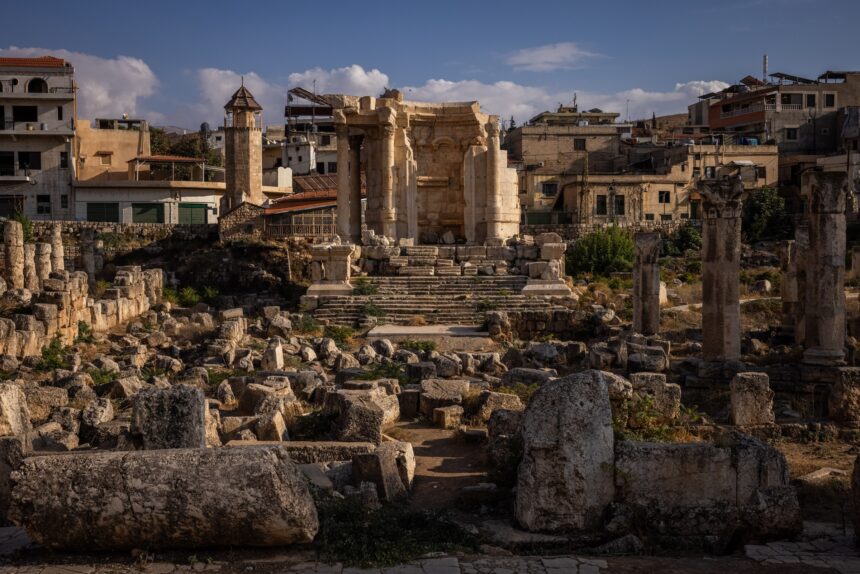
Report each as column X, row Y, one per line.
column 493, row 127
column 722, row 197
column 647, row 247
column 828, row 191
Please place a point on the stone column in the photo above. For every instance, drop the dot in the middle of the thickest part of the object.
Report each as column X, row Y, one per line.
column 43, row 261
column 646, row 284
column 801, row 244
column 825, row 268
column 387, row 215
column 343, row 226
column 493, row 185
column 13, row 246
column 31, row 278
column 788, row 287
column 57, row 251
column 88, row 254
column 721, row 254
column 355, row 187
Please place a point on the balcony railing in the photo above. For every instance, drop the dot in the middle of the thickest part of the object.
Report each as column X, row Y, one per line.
column 741, row 111
column 10, row 125
column 792, row 107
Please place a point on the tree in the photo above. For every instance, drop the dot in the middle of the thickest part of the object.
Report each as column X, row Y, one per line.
column 512, row 125
column 158, row 141
column 605, row 251
column 765, row 216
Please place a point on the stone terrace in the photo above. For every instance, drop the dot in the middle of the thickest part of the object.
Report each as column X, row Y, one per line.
column 462, row 300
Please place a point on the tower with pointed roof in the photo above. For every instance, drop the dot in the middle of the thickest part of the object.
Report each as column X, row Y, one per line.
column 243, row 169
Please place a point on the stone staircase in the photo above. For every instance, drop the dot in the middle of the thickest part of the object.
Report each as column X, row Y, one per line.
column 455, row 300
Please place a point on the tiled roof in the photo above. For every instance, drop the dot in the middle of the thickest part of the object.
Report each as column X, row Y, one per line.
column 41, row 62
column 311, row 191
column 243, row 99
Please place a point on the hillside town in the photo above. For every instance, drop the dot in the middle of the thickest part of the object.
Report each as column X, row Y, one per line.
column 389, row 335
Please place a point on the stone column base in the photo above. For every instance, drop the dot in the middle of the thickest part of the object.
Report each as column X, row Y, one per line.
column 820, row 356
column 330, row 289
column 548, row 287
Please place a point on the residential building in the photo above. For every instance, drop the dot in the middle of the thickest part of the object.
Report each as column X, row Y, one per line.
column 37, row 130
column 310, row 141
column 104, row 147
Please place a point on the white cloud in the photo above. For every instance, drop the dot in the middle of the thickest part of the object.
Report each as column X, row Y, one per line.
column 348, row 80
column 560, row 56
column 107, row 87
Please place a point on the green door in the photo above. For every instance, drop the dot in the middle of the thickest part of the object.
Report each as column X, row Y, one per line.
column 192, row 214
column 147, row 213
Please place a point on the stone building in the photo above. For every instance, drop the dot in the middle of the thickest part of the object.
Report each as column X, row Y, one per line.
column 433, row 171
column 243, row 150
column 37, row 129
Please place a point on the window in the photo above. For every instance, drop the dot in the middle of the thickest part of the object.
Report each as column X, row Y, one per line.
column 579, row 144
column 601, row 205
column 665, row 217
column 665, row 197
column 710, row 172
column 649, row 217
column 300, row 158
column 619, row 205
column 791, row 134
column 810, row 100
column 325, row 140
column 7, row 163
column 332, row 167
column 217, row 138
column 549, row 189
column 59, row 113
column 25, row 114
column 43, row 204
column 29, row 160
column 829, row 100
column 697, row 173
column 760, row 172
column 289, row 158
column 298, row 149
column 64, row 201
column 105, row 159
column 64, row 160
column 320, row 167
column 192, row 213
column 37, row 86
column 103, row 212
column 147, row 213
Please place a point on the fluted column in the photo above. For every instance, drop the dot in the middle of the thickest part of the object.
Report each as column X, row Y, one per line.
column 343, row 222
column 388, row 216
column 721, row 254
column 355, row 187
column 825, row 272
column 646, row 284
column 494, row 207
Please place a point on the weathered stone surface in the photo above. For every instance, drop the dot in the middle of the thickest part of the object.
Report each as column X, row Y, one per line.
column 254, row 496
column 565, row 479
column 380, row 468
column 170, row 418
column 404, row 455
column 490, row 401
column 844, row 402
column 504, row 446
column 448, row 417
column 437, row 393
column 665, row 397
column 43, row 400
column 14, row 414
column 361, row 415
column 12, row 452
column 751, row 399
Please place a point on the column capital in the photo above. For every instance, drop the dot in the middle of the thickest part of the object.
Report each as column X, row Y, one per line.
column 722, row 193
column 827, row 190
column 647, row 246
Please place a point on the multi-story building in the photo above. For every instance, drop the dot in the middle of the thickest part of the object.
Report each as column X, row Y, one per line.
column 310, row 142
column 37, row 131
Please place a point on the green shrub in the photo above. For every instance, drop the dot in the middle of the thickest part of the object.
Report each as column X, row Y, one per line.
column 418, row 346
column 686, row 238
column 522, row 390
column 601, row 253
column 363, row 286
column 210, row 294
column 372, row 310
column 26, row 226
column 101, row 376
column 765, row 216
column 340, row 335
column 189, row 297
column 100, row 288
column 354, row 535
column 85, row 333
column 384, row 371
column 307, row 324
column 169, row 295
column 485, row 305
column 52, row 356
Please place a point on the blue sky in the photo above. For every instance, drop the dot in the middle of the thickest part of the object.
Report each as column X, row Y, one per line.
column 177, row 62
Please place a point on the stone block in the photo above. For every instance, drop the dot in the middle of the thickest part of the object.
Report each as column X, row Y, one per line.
column 448, row 417
column 170, row 418
column 751, row 399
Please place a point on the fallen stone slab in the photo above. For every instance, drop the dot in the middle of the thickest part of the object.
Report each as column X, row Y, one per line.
column 308, row 451
column 254, row 496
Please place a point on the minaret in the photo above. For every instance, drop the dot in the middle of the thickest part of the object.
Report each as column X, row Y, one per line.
column 243, row 169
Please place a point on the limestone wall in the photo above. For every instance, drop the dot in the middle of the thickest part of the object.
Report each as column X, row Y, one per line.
column 573, row 231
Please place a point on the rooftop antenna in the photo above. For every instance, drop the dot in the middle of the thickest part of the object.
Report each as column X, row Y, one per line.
column 243, row 80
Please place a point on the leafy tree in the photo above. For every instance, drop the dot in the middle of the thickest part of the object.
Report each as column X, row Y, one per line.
column 765, row 216
column 605, row 251
column 158, row 141
column 687, row 238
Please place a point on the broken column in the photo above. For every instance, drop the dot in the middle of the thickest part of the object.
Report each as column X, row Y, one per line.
column 801, row 244
column 825, row 268
column 546, row 277
column 13, row 245
column 646, row 284
column 788, row 287
column 721, row 255
column 253, row 496
column 58, row 253
column 43, row 261
column 88, row 254
column 31, row 278
column 343, row 187
column 331, row 268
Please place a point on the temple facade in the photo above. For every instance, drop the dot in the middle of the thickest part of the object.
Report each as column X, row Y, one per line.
column 434, row 172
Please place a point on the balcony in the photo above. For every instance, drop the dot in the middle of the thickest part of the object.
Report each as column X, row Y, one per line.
column 37, row 128
column 55, row 94
column 792, row 107
column 11, row 174
column 742, row 111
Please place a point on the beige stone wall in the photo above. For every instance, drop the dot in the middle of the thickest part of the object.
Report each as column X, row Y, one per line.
column 244, row 165
column 122, row 145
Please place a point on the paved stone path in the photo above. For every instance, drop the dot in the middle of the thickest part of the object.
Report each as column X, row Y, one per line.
column 821, row 545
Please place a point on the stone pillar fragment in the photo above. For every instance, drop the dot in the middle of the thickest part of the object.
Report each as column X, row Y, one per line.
column 788, row 286
column 646, row 284
column 31, row 278
column 388, row 215
column 13, row 246
column 355, row 188
column 43, row 261
column 88, row 254
column 57, row 251
column 331, row 268
column 342, row 177
column 801, row 243
column 721, row 254
column 825, row 268
column 494, row 181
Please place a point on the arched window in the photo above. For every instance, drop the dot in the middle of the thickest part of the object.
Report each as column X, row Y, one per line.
column 37, row 86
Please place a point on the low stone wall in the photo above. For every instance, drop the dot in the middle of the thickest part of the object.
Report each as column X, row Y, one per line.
column 139, row 231
column 573, row 231
column 531, row 325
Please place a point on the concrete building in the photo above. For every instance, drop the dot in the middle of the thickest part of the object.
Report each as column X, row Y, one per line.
column 105, row 146
column 37, row 130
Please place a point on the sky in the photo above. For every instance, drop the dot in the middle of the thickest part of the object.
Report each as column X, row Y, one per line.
column 177, row 62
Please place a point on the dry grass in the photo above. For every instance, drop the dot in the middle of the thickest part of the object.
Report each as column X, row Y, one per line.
column 417, row 321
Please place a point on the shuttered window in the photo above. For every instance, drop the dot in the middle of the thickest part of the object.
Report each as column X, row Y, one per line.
column 192, row 214
column 147, row 213
column 103, row 212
